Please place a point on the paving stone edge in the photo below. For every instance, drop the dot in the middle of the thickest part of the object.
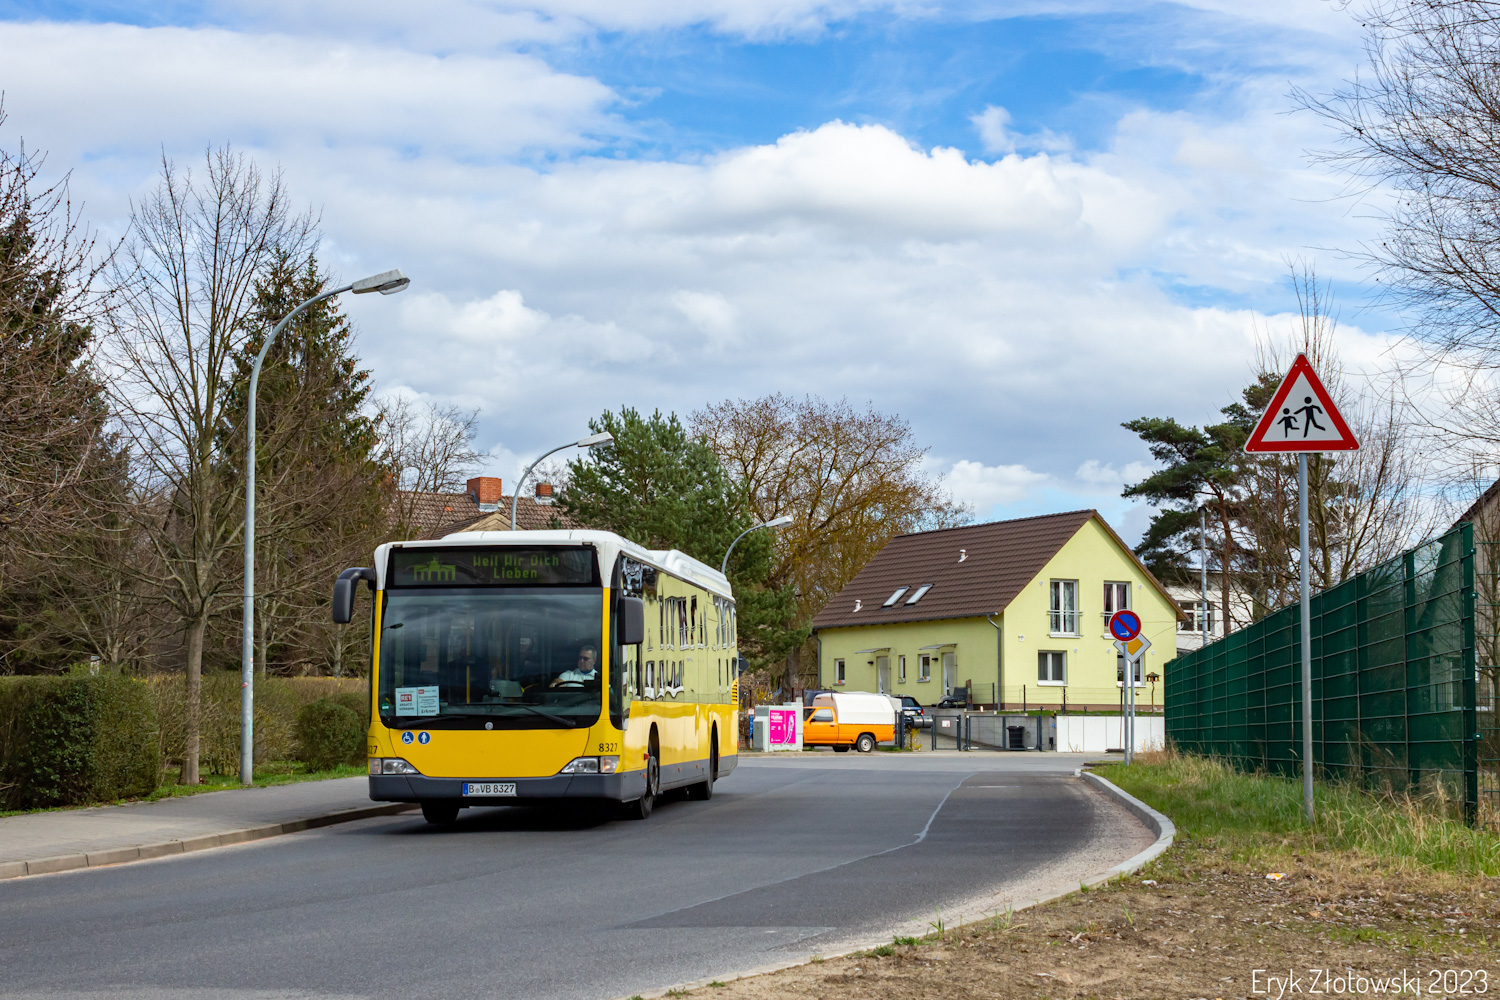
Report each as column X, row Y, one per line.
column 184, row 845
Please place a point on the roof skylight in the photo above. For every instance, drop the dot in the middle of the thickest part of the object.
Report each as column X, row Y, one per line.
column 921, row 592
column 895, row 597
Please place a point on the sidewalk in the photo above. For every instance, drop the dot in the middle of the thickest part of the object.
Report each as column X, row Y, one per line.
column 38, row 843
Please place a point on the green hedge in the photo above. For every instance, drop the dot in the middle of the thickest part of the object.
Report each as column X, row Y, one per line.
column 329, row 732
column 277, row 702
column 76, row 740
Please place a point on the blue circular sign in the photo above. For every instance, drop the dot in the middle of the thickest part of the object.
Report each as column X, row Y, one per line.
column 424, row 738
column 407, row 737
column 1125, row 625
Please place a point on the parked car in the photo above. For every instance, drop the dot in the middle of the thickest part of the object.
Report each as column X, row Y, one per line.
column 856, row 719
column 914, row 713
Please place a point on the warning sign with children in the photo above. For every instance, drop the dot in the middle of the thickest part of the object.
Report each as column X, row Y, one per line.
column 1301, row 417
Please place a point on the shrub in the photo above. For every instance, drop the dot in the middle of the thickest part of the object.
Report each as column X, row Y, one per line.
column 277, row 703
column 76, row 740
column 329, row 734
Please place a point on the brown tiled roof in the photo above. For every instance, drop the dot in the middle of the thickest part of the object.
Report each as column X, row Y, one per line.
column 437, row 514
column 1000, row 558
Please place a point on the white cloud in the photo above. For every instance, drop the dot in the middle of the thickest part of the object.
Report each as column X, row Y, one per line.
column 1102, row 475
column 996, row 135
column 985, row 487
column 119, row 88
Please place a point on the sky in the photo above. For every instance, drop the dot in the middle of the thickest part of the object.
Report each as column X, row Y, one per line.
column 1016, row 224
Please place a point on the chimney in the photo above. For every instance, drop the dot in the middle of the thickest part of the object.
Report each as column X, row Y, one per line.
column 486, row 492
column 544, row 493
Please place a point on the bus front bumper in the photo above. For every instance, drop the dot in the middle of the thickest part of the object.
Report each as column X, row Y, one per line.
column 624, row 787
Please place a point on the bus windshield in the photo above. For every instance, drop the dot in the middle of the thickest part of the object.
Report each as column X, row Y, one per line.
column 487, row 658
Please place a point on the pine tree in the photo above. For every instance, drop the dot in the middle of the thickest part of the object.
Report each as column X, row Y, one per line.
column 62, row 473
column 321, row 496
column 663, row 488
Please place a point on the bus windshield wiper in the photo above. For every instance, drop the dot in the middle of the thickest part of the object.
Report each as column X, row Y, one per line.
column 422, row 720
column 569, row 723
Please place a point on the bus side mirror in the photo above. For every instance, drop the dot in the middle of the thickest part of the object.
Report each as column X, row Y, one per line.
column 630, row 621
column 343, row 592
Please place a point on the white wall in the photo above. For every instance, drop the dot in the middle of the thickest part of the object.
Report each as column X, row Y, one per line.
column 1098, row 733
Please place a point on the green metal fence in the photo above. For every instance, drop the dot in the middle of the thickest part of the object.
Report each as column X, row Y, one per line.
column 1394, row 692
column 1487, row 663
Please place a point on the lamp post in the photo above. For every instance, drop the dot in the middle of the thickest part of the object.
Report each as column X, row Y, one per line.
column 386, row 283
column 776, row 522
column 592, row 441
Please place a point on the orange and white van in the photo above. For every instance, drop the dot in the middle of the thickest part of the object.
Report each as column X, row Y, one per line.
column 855, row 719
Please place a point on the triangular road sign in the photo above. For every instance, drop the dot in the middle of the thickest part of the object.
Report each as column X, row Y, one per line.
column 1301, row 417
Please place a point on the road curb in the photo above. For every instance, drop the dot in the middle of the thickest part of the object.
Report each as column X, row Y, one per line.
column 1154, row 821
column 185, row 845
column 1163, row 827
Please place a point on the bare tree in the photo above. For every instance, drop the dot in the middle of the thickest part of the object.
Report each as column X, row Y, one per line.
column 187, row 276
column 1424, row 124
column 427, row 448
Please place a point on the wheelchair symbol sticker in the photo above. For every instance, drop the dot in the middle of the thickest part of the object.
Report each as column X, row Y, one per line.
column 424, row 738
column 407, row 737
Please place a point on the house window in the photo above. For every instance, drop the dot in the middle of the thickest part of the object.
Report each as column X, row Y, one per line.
column 1199, row 613
column 1120, row 671
column 924, row 668
column 1116, row 598
column 901, row 667
column 1064, row 607
column 1052, row 667
column 895, row 597
column 838, row 671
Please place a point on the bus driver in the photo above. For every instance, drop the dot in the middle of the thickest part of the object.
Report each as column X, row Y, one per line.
column 586, row 670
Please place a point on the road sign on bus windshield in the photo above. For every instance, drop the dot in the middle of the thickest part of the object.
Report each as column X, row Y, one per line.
column 1301, row 417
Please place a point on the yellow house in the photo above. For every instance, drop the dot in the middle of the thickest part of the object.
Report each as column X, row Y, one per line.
column 1015, row 612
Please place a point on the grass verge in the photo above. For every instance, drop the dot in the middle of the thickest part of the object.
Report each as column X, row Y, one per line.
column 1379, row 897
column 274, row 773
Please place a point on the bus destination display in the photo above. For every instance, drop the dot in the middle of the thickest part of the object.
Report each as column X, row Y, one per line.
column 493, row 567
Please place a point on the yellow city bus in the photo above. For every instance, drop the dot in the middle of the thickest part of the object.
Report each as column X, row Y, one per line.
column 513, row 667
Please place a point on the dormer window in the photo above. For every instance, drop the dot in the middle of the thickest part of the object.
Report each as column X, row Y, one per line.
column 921, row 592
column 895, row 597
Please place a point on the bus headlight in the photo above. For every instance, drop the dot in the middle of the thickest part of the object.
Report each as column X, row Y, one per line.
column 392, row 765
column 591, row 765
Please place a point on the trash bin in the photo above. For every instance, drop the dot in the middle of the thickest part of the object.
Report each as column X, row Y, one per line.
column 1016, row 737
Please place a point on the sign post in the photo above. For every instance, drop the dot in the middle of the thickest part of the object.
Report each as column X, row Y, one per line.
column 1300, row 420
column 1125, row 626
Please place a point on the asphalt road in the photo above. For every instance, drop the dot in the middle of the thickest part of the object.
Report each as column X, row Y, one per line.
column 789, row 858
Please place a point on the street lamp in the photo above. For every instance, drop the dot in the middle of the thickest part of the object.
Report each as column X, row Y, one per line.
column 592, row 441
column 386, row 283
column 776, row 523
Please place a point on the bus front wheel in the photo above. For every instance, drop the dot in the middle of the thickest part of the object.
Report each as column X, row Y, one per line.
column 440, row 813
column 641, row 807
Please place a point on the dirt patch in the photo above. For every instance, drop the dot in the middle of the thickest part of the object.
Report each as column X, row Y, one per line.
column 1201, row 930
